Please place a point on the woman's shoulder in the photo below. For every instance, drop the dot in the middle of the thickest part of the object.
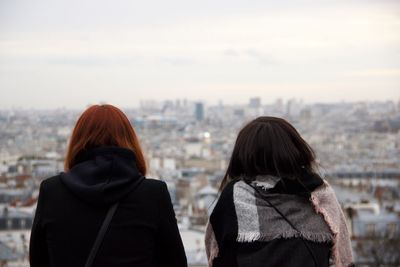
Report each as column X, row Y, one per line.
column 53, row 183
column 155, row 186
column 51, row 188
column 229, row 187
column 232, row 190
column 50, row 182
column 323, row 191
column 157, row 190
column 224, row 203
column 154, row 183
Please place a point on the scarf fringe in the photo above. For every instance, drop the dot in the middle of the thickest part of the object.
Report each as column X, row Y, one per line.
column 256, row 236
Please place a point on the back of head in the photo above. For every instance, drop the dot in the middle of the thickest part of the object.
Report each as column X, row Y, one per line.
column 103, row 126
column 269, row 146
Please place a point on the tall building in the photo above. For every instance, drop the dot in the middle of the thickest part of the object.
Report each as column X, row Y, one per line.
column 199, row 111
column 255, row 102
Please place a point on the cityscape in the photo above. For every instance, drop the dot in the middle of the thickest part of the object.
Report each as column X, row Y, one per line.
column 188, row 144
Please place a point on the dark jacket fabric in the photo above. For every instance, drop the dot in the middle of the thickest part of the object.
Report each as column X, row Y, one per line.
column 73, row 205
column 226, row 248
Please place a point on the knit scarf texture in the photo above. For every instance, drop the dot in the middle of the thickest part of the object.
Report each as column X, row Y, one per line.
column 318, row 218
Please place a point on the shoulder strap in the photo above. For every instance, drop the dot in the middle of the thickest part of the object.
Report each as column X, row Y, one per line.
column 100, row 235
column 104, row 227
column 289, row 222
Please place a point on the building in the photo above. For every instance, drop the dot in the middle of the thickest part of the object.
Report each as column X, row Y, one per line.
column 199, row 111
column 12, row 219
column 8, row 255
column 255, row 102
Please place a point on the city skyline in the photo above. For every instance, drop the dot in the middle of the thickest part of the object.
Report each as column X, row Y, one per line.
column 180, row 100
column 241, row 98
column 189, row 146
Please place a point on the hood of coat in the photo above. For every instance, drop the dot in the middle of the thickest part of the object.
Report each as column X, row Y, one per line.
column 103, row 175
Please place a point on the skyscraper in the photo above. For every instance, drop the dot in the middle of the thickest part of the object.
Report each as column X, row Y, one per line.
column 255, row 102
column 199, row 111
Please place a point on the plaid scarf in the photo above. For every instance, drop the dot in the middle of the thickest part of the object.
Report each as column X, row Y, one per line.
column 317, row 218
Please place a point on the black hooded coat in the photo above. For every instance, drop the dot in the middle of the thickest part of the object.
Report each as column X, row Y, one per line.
column 73, row 205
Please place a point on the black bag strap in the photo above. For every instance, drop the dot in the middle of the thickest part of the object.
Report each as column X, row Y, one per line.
column 104, row 227
column 101, row 234
column 289, row 222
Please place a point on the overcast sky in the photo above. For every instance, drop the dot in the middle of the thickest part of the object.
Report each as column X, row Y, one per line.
column 69, row 53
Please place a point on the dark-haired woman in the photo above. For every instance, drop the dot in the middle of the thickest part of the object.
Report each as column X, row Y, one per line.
column 102, row 211
column 274, row 210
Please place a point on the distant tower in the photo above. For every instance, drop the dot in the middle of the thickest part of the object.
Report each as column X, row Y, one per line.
column 255, row 102
column 290, row 106
column 199, row 111
column 177, row 103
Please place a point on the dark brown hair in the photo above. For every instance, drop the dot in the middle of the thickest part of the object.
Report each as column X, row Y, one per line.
column 103, row 125
column 269, row 146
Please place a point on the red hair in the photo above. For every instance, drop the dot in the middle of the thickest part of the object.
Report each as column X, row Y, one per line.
column 103, row 125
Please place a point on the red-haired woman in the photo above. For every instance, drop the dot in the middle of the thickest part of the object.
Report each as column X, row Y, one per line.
column 102, row 211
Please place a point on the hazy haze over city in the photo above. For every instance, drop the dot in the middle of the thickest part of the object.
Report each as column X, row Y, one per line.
column 72, row 53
